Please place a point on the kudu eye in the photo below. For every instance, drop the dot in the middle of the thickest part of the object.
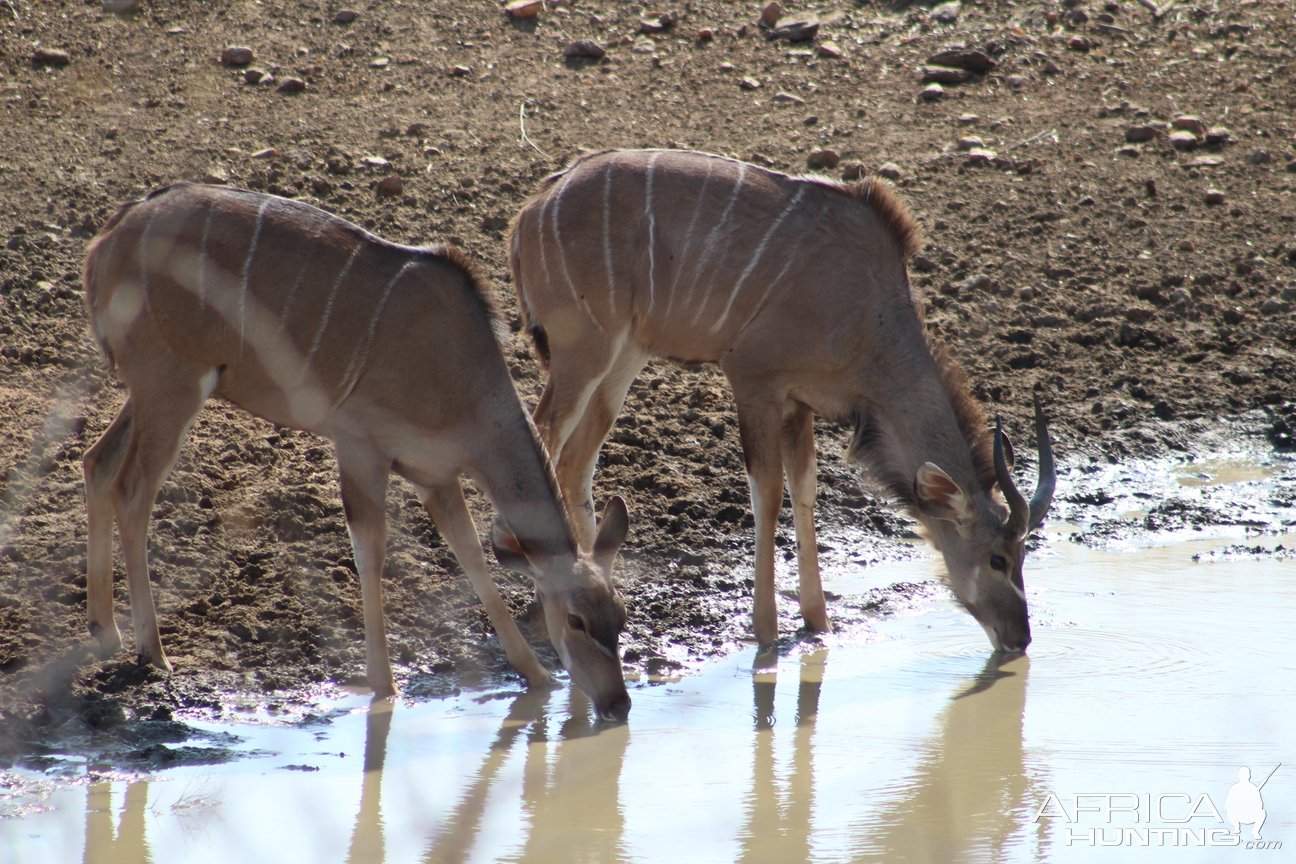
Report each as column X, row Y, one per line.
column 998, row 562
column 576, row 623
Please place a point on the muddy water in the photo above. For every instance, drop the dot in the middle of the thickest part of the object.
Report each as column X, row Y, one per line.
column 1156, row 673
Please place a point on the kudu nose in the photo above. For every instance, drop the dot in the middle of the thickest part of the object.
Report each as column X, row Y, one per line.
column 1016, row 646
column 617, row 709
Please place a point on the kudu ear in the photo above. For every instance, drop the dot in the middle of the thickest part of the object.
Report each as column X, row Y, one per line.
column 940, row 497
column 1010, row 458
column 508, row 549
column 612, row 531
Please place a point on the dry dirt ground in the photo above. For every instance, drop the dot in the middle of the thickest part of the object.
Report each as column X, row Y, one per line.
column 1143, row 282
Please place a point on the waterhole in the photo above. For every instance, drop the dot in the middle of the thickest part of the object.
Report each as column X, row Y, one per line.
column 1159, row 671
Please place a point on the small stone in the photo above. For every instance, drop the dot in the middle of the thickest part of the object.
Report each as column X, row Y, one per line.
column 121, row 7
column 236, row 55
column 584, row 49
column 1206, row 162
column 380, row 63
column 390, row 186
column 852, row 169
column 981, row 156
column 254, row 75
column 968, row 119
column 1081, row 43
column 1186, row 245
column 823, row 158
column 267, row 153
column 796, row 29
column 1273, row 306
column 1214, row 197
column 771, row 14
column 1017, row 81
column 830, row 51
column 345, row 16
column 1141, row 133
column 963, row 58
column 969, row 142
column 749, row 84
column 788, row 98
column 1128, row 150
column 947, row 12
column 1189, row 123
column 524, row 8
column 1218, row 136
column 50, row 57
column 1259, row 157
column 459, row 71
column 944, row 75
column 374, row 162
column 217, row 176
column 890, row 171
column 1291, row 166
column 1182, row 139
column 291, row 85
column 706, row 34
column 931, row 93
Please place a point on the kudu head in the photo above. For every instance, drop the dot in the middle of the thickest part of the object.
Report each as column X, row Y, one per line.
column 583, row 610
column 983, row 546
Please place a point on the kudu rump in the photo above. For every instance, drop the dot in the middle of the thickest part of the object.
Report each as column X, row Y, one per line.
column 310, row 322
column 797, row 287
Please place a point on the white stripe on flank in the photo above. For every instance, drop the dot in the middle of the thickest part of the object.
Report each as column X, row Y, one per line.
column 356, row 367
column 297, row 281
column 328, row 310
column 688, row 233
column 247, row 269
column 769, row 289
column 756, row 256
column 607, row 238
column 709, row 249
column 652, row 229
column 556, row 198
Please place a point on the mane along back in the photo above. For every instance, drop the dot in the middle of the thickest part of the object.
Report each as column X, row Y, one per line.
column 880, row 197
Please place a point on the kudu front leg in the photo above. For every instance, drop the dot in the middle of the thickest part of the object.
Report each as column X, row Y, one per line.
column 363, row 475
column 446, row 506
column 800, row 464
column 758, row 424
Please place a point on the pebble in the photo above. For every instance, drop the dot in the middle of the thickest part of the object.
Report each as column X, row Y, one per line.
column 852, row 169
column 254, row 75
column 981, row 156
column 459, row 71
column 374, row 162
column 50, row 57
column 749, row 84
column 830, row 51
column 796, row 29
column 1291, row 166
column 1259, row 157
column 823, row 158
column 236, row 55
column 1128, row 150
column 944, row 75
column 1182, row 139
column 1140, row 133
column 931, row 93
column 1214, row 197
column 524, row 8
column 963, row 58
column 968, row 119
column 1081, row 43
column 267, row 153
column 947, row 12
column 890, row 171
column 1217, row 136
column 345, row 16
column 706, row 34
column 1186, row 245
column 121, row 7
column 771, row 14
column 584, row 49
column 291, row 85
column 969, row 142
column 788, row 98
column 390, row 186
column 1273, row 305
column 1189, row 123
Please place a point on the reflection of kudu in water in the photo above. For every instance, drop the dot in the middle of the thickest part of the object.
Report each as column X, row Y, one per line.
column 127, row 843
column 571, row 802
column 367, row 836
column 968, row 791
column 310, row 322
column 779, row 819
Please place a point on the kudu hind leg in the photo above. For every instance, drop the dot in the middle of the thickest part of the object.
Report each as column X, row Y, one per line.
column 101, row 465
column 159, row 421
column 800, row 464
column 758, row 423
column 446, row 506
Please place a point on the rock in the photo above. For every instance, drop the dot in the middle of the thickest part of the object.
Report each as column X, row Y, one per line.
column 1214, row 197
column 830, row 51
column 944, row 75
column 50, row 57
column 947, row 12
column 852, row 169
column 390, row 186
column 890, row 171
column 586, row 49
column 963, row 58
column 823, row 158
column 1182, row 139
column 345, row 16
column 291, row 85
column 771, row 14
column 931, row 93
column 524, row 8
column 968, row 119
column 236, row 55
column 254, row 75
column 796, row 29
column 1128, row 150
column 121, row 7
column 1273, row 306
column 1291, row 166
column 1189, row 123
column 969, row 142
column 749, row 84
column 706, row 34
column 1206, row 162
column 1259, row 157
column 1218, row 136
column 267, row 153
column 380, row 63
column 788, row 98
column 1141, row 133
column 1081, row 43
column 459, row 71
column 981, row 156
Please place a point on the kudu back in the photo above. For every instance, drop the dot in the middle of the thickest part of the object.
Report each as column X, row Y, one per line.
column 797, row 287
column 310, row 322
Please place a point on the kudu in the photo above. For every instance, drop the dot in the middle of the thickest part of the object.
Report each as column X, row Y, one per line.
column 310, row 322
column 798, row 288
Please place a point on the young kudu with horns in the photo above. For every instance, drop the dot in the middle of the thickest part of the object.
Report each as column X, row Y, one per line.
column 798, row 288
column 310, row 322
